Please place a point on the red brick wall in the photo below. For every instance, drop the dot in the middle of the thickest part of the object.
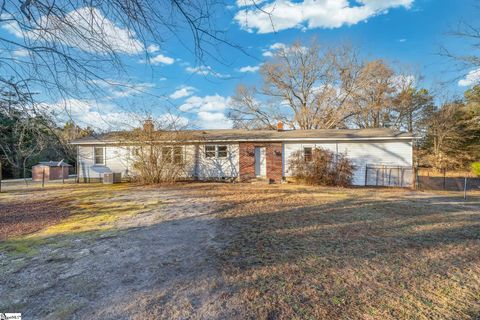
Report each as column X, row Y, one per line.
column 273, row 158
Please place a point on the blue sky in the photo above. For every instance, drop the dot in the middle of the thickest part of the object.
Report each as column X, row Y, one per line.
column 405, row 33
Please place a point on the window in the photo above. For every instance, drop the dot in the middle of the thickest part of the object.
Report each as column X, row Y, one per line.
column 177, row 155
column 214, row 151
column 134, row 151
column 209, row 151
column 99, row 155
column 307, row 154
column 221, row 151
column 166, row 154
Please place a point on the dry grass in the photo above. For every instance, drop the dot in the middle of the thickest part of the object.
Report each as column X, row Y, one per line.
column 297, row 252
column 302, row 252
column 29, row 218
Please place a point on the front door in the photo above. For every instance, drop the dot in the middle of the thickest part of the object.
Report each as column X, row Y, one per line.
column 260, row 162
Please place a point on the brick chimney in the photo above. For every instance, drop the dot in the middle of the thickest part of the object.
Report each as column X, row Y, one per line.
column 280, row 126
column 148, row 125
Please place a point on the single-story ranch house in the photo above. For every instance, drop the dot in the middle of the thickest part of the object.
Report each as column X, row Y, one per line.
column 247, row 154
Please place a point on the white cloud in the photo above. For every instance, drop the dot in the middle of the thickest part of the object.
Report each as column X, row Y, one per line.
column 100, row 116
column 158, row 59
column 249, row 69
column 209, row 111
column 172, row 121
column 182, row 92
column 248, row 3
column 119, row 89
column 402, row 40
column 107, row 117
column 153, row 48
column 471, row 79
column 270, row 50
column 213, row 120
column 206, row 71
column 279, row 15
column 102, row 34
column 278, row 45
column 21, row 53
column 207, row 103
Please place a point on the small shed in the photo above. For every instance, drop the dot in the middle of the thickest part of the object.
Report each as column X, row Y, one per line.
column 53, row 170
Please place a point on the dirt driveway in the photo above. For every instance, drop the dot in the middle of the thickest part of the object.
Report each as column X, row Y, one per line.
column 161, row 265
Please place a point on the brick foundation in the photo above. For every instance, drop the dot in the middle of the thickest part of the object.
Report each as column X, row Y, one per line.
column 273, row 158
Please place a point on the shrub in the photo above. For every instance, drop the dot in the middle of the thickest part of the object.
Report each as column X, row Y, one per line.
column 323, row 168
column 476, row 168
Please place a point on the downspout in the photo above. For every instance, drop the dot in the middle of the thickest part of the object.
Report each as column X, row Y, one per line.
column 77, row 166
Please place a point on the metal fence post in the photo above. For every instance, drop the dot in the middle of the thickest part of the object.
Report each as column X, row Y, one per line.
column 444, row 178
column 43, row 178
column 465, row 189
column 0, row 176
column 366, row 173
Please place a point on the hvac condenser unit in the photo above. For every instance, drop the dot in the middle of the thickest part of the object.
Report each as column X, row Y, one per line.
column 112, row 177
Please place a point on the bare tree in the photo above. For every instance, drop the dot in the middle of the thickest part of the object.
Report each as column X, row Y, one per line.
column 306, row 87
column 247, row 112
column 469, row 62
column 66, row 47
column 374, row 95
column 23, row 135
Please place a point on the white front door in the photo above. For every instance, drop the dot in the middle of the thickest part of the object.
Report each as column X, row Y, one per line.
column 260, row 162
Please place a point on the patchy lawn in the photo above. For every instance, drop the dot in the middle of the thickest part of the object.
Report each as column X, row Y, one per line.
column 239, row 251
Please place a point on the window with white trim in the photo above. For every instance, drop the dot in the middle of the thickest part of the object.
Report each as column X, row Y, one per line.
column 99, row 155
column 216, row 151
column 178, row 155
column 307, row 154
column 221, row 151
column 172, row 154
column 166, row 154
column 210, row 151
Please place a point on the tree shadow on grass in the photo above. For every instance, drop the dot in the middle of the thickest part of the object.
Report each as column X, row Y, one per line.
column 347, row 258
column 357, row 258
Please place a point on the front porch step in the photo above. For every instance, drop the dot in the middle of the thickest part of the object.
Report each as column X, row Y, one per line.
column 260, row 180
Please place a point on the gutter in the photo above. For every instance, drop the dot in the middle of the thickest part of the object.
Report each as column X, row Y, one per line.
column 99, row 142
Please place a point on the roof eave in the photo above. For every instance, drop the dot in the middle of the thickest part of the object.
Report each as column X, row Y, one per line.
column 105, row 142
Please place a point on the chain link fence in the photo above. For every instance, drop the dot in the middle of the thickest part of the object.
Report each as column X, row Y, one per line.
column 388, row 176
column 428, row 179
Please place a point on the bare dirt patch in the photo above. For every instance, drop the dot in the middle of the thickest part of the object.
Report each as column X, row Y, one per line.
column 21, row 218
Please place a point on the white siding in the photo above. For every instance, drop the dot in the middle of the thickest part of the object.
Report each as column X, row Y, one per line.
column 119, row 159
column 361, row 153
column 208, row 168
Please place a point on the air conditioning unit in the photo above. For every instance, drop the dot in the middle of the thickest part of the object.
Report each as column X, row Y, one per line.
column 112, row 177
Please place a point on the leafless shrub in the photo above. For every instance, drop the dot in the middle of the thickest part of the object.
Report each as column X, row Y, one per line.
column 157, row 156
column 322, row 167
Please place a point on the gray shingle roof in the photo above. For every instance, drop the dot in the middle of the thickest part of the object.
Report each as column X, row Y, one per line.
column 53, row 164
column 260, row 135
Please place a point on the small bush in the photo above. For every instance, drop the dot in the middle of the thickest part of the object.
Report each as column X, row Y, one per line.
column 323, row 168
column 476, row 168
